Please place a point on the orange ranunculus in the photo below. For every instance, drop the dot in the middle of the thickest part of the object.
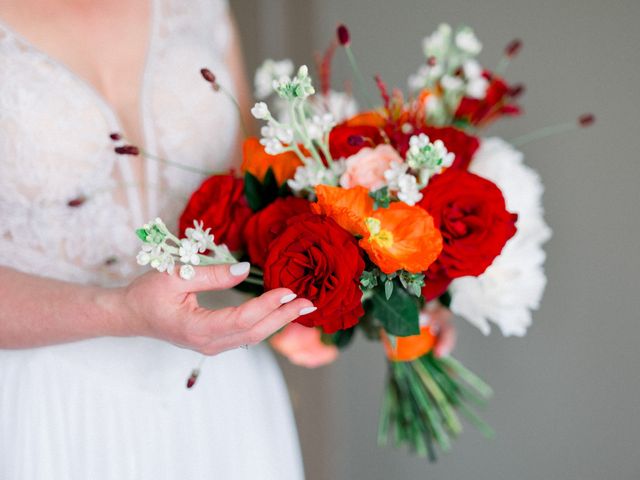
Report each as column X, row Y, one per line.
column 409, row 348
column 349, row 207
column 401, row 237
column 256, row 161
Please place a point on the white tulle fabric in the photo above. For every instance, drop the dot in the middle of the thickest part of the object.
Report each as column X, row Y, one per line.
column 112, row 408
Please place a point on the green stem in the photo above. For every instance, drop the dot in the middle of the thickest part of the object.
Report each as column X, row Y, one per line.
column 293, row 147
column 181, row 166
column 432, row 414
column 450, row 416
column 301, row 130
column 468, row 376
column 358, row 75
column 256, row 271
column 253, row 281
column 230, row 96
column 544, row 132
column 503, row 63
column 388, row 404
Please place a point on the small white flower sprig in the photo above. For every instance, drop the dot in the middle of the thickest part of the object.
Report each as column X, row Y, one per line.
column 451, row 68
column 162, row 250
column 303, row 126
column 424, row 159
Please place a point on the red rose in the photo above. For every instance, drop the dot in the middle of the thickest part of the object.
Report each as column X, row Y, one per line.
column 464, row 146
column 268, row 223
column 470, row 212
column 436, row 281
column 220, row 203
column 346, row 140
column 318, row 260
column 495, row 103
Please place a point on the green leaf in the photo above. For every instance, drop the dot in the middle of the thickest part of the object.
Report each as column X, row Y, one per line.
column 398, row 314
column 388, row 289
column 341, row 338
column 261, row 193
column 381, row 198
column 269, row 182
column 445, row 299
column 142, row 234
column 253, row 191
column 368, row 279
column 251, row 288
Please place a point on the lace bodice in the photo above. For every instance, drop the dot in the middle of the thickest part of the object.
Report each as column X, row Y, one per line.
column 68, row 203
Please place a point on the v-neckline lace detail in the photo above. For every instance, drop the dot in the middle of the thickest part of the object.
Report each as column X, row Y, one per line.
column 150, row 175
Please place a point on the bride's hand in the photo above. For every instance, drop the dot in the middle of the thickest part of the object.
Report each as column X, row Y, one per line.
column 439, row 318
column 165, row 306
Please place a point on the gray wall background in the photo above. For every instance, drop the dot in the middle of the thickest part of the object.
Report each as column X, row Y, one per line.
column 567, row 402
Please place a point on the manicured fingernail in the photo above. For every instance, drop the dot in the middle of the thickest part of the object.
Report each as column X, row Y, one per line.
column 238, row 269
column 287, row 298
column 308, row 310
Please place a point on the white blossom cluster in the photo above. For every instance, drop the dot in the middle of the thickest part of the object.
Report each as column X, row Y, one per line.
column 512, row 286
column 403, row 183
column 302, row 123
column 424, row 159
column 268, row 73
column 298, row 87
column 309, row 176
column 161, row 249
column 427, row 155
column 451, row 68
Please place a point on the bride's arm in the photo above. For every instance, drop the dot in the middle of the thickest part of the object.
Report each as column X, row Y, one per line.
column 35, row 311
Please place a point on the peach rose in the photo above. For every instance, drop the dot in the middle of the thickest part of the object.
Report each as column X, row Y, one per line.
column 366, row 168
column 302, row 346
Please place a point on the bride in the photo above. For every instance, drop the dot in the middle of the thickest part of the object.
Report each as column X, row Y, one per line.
column 94, row 354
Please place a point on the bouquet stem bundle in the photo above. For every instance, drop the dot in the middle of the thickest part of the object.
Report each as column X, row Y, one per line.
column 422, row 400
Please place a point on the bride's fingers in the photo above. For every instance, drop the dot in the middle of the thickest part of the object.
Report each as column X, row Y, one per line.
column 229, row 321
column 249, row 313
column 262, row 329
column 213, row 277
column 446, row 340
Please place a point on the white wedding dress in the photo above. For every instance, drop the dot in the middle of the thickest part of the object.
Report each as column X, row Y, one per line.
column 117, row 408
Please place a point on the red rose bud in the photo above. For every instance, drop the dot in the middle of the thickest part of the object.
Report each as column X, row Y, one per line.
column 586, row 120
column 115, row 136
column 127, row 150
column 513, row 48
column 208, row 75
column 191, row 381
column 76, row 202
column 355, row 140
column 343, row 35
column 431, row 61
column 517, row 90
column 211, row 78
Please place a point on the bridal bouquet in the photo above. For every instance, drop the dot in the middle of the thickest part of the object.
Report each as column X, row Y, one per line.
column 384, row 218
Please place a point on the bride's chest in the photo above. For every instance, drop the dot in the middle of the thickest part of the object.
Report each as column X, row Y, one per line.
column 55, row 126
column 65, row 196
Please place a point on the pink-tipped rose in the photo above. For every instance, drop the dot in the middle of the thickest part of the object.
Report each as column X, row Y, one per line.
column 302, row 346
column 366, row 168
